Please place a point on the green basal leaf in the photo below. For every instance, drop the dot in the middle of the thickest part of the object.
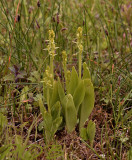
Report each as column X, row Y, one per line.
column 88, row 102
column 56, row 124
column 91, row 131
column 83, row 134
column 55, row 111
column 55, row 95
column 79, row 94
column 48, row 126
column 41, row 105
column 70, row 113
column 73, row 81
column 86, row 72
column 47, row 121
column 24, row 93
column 60, row 91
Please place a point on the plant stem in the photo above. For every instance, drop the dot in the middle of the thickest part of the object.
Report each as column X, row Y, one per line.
column 51, row 66
column 80, row 60
column 48, row 100
column 65, row 73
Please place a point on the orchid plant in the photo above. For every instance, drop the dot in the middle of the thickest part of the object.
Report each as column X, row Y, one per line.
column 69, row 103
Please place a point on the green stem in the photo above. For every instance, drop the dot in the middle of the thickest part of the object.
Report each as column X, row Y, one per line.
column 65, row 73
column 51, row 66
column 80, row 60
column 48, row 100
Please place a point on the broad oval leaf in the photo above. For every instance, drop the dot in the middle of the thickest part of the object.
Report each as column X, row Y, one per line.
column 55, row 95
column 91, row 131
column 55, row 111
column 86, row 72
column 79, row 94
column 88, row 102
column 73, row 82
column 83, row 134
column 56, row 124
column 60, row 91
column 70, row 113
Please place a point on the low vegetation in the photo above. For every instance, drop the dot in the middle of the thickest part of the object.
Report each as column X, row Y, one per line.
column 65, row 79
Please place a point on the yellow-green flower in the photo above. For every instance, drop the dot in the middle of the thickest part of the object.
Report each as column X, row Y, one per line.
column 80, row 48
column 79, row 35
column 48, row 78
column 51, row 35
column 51, row 46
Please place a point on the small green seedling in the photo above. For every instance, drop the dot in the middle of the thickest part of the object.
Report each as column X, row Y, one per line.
column 89, row 132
